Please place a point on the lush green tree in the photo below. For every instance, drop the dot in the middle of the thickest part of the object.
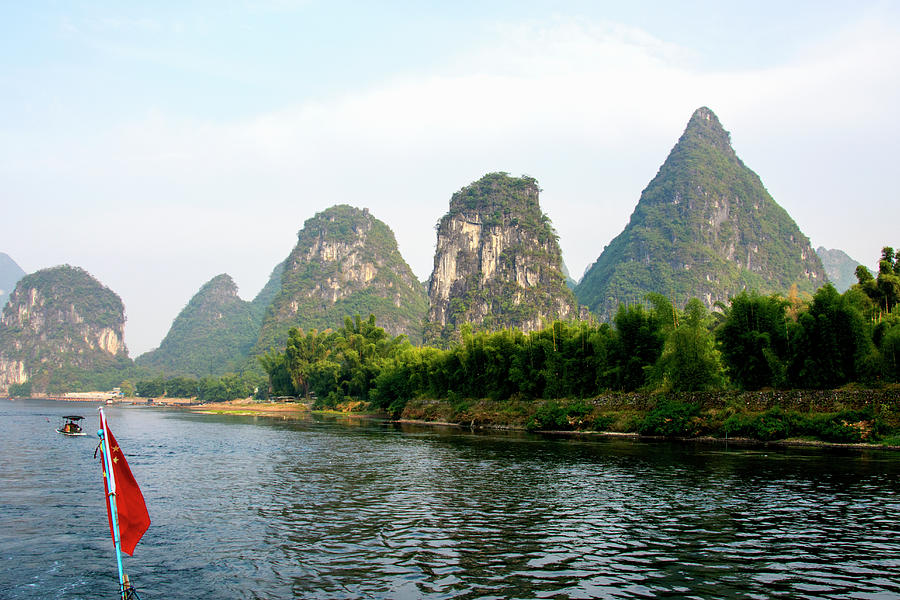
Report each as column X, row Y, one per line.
column 20, row 390
column 753, row 340
column 275, row 365
column 635, row 348
column 151, row 388
column 302, row 354
column 690, row 360
column 883, row 290
column 127, row 387
column 886, row 338
column 182, row 387
column 829, row 342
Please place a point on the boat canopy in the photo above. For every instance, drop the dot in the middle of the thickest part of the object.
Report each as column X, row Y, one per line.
column 73, row 417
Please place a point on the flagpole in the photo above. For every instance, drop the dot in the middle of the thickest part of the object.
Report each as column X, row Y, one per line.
column 111, row 497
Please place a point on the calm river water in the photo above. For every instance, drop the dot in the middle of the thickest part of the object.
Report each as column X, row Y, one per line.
column 261, row 507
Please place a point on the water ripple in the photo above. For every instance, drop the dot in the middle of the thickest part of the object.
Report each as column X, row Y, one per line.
column 246, row 507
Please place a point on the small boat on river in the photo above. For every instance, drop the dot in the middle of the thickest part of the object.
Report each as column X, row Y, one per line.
column 71, row 426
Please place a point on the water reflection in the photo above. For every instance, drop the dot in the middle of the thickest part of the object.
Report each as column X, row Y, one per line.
column 266, row 507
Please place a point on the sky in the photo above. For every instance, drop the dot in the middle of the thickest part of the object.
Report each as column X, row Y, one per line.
column 157, row 145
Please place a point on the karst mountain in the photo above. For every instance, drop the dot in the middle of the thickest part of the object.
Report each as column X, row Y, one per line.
column 211, row 335
column 498, row 262
column 704, row 227
column 60, row 322
column 346, row 262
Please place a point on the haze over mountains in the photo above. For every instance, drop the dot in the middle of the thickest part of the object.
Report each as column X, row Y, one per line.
column 840, row 268
column 704, row 227
column 10, row 274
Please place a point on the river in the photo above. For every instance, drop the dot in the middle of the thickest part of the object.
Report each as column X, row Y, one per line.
column 267, row 507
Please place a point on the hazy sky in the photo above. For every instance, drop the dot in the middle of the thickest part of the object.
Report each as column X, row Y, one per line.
column 159, row 144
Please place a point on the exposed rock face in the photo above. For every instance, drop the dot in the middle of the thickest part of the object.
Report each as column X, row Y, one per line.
column 839, row 267
column 705, row 227
column 210, row 336
column 10, row 274
column 345, row 263
column 498, row 262
column 56, row 319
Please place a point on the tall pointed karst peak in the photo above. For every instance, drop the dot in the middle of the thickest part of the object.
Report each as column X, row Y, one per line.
column 218, row 292
column 705, row 227
column 705, row 132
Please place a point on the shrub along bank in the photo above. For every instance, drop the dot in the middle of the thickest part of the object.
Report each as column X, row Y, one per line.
column 832, row 416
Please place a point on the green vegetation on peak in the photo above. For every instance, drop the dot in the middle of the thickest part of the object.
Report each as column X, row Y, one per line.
column 498, row 262
column 210, row 336
column 497, row 197
column 704, row 227
column 59, row 322
column 704, row 130
column 345, row 262
column 64, row 288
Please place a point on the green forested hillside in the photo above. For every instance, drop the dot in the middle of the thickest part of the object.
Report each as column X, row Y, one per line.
column 58, row 322
column 210, row 336
column 346, row 262
column 704, row 227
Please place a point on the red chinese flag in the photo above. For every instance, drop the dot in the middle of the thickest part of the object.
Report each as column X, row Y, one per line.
column 133, row 516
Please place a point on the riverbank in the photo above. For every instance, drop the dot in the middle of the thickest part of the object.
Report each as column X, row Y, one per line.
column 737, row 441
column 243, row 407
column 833, row 418
column 849, row 418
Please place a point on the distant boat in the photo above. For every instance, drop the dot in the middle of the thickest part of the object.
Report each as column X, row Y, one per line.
column 71, row 426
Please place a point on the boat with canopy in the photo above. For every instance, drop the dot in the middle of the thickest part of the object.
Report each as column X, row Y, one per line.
column 71, row 426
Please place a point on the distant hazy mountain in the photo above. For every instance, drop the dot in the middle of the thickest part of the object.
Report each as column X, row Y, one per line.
column 840, row 268
column 10, row 274
column 705, row 227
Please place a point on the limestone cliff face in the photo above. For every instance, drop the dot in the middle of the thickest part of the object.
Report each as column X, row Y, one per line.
column 346, row 263
column 705, row 227
column 56, row 319
column 498, row 263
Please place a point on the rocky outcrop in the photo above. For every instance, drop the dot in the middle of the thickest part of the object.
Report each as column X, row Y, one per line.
column 59, row 319
column 210, row 336
column 498, row 262
column 346, row 262
column 705, row 227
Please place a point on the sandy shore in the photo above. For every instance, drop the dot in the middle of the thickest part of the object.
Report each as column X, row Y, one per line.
column 250, row 408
